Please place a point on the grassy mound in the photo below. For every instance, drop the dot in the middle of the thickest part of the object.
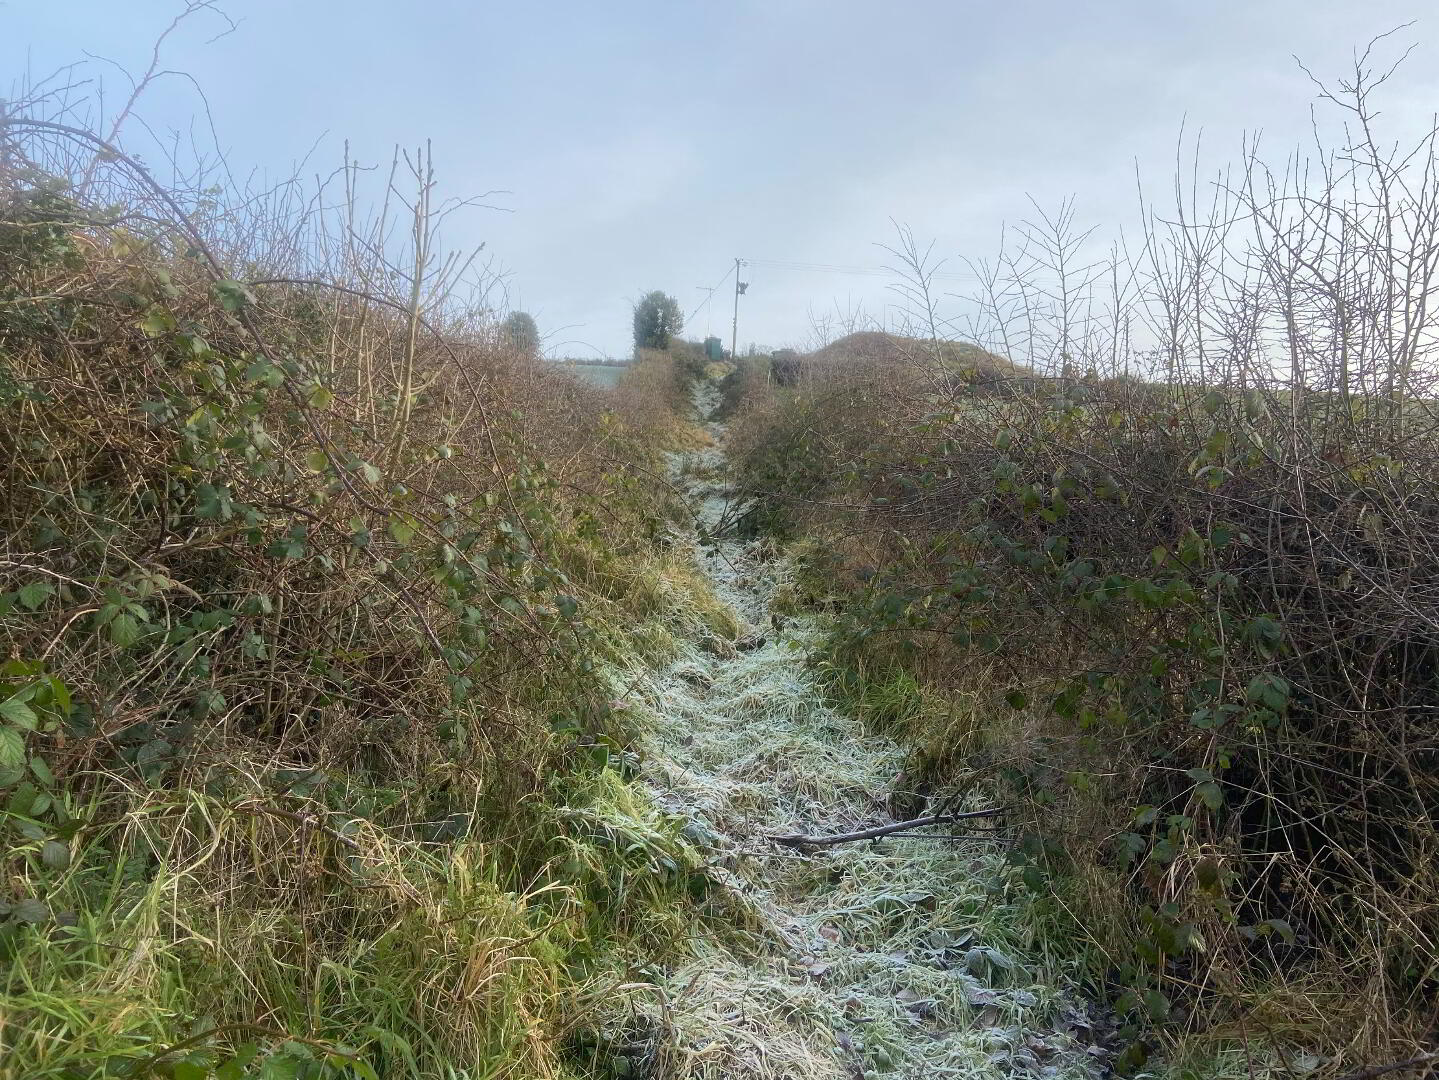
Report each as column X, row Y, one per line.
column 867, row 347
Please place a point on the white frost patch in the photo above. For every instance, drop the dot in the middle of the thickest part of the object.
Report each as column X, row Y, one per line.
column 896, row 958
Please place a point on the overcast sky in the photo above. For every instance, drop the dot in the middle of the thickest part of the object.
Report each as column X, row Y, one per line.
column 647, row 144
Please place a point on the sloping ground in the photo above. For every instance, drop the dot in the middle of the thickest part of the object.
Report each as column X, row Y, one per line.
column 880, row 348
column 895, row 958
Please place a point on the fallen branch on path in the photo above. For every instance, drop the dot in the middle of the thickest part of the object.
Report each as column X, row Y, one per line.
column 800, row 840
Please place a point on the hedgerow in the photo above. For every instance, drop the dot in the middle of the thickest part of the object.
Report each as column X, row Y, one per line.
column 309, row 588
column 1168, row 592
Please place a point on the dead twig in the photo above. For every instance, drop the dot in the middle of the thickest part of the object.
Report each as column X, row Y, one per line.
column 800, row 840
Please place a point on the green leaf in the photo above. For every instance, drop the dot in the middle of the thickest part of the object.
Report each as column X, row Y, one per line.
column 1132, row 1058
column 18, row 713
column 1066, row 703
column 125, row 630
column 260, row 370
column 280, row 1067
column 31, row 910
column 42, row 771
column 1156, row 1005
column 998, row 959
column 1207, row 873
column 233, row 295
column 234, row 1069
column 1131, row 846
column 188, row 1070
column 157, row 323
column 209, row 701
column 1191, row 547
column 321, row 397
column 212, row 501
column 12, row 749
column 153, row 752
column 33, row 595
column 362, row 1070
column 55, row 855
column 1017, row 699
column 1211, row 793
column 1265, row 633
column 1282, row 928
column 291, row 545
column 1269, row 690
column 61, row 694
column 317, row 461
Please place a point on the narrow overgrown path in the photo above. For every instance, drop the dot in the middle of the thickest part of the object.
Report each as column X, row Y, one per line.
column 904, row 957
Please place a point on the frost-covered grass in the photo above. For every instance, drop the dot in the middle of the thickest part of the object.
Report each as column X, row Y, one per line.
column 900, row 957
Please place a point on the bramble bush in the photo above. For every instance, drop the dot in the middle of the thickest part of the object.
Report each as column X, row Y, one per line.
column 307, row 585
column 1173, row 602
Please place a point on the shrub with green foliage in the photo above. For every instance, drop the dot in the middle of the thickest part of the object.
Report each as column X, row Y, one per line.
column 1181, row 623
column 658, row 320
column 305, row 742
column 520, row 333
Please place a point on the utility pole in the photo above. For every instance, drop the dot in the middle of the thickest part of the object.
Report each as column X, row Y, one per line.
column 739, row 288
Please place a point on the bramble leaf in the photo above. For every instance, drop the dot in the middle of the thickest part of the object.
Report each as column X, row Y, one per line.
column 33, row 595
column 12, row 749
column 233, row 295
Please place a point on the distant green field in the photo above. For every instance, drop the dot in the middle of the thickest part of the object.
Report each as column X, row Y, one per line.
column 603, row 374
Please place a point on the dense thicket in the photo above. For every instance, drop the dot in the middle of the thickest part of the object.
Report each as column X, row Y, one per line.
column 1172, row 592
column 308, row 577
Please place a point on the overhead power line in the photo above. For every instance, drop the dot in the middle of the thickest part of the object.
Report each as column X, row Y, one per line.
column 709, row 297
